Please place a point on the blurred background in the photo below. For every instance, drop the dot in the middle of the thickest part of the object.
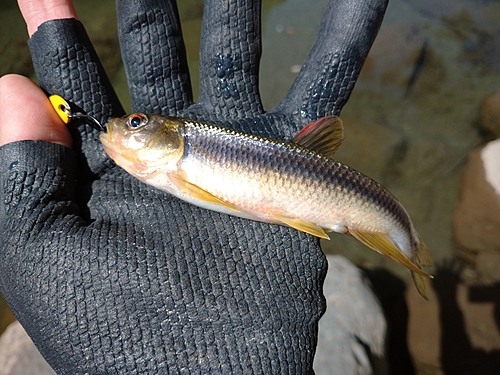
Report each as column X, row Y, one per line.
column 426, row 105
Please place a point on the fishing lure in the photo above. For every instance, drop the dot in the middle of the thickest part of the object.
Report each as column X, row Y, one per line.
column 63, row 110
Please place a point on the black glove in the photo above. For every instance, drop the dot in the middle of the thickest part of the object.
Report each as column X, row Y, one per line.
column 108, row 275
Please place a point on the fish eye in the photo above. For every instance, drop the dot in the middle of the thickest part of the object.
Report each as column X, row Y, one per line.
column 137, row 120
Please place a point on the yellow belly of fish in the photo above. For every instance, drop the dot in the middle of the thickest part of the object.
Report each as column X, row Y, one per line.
column 276, row 198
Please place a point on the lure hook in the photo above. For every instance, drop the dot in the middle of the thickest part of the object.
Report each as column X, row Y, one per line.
column 63, row 110
column 83, row 115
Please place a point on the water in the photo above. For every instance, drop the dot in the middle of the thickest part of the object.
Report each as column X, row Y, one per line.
column 411, row 120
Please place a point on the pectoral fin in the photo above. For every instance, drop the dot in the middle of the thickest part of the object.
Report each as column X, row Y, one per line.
column 383, row 244
column 197, row 192
column 324, row 135
column 301, row 225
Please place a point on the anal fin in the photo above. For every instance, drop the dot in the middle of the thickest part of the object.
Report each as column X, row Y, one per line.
column 383, row 244
column 302, row 225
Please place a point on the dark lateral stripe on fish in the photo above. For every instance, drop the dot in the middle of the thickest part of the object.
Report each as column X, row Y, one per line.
column 237, row 148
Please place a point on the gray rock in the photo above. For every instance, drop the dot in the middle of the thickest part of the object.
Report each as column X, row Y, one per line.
column 353, row 330
column 491, row 160
column 19, row 355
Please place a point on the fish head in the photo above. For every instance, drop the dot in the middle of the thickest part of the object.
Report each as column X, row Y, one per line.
column 144, row 144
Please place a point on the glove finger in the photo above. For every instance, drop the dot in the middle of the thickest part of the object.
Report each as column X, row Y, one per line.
column 229, row 58
column 66, row 64
column 154, row 55
column 331, row 69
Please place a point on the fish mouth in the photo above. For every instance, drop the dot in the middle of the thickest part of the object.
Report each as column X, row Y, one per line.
column 106, row 138
column 111, row 147
column 121, row 155
column 107, row 129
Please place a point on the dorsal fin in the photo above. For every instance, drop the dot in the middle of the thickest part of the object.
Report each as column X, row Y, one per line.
column 324, row 135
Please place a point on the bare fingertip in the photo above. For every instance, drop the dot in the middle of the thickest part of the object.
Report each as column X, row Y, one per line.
column 27, row 114
column 37, row 12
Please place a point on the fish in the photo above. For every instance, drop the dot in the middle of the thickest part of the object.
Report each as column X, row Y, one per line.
column 296, row 184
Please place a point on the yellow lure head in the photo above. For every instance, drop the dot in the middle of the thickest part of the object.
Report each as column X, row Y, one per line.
column 61, row 107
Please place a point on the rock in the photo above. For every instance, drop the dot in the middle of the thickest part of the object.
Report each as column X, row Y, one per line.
column 477, row 217
column 491, row 160
column 455, row 331
column 488, row 266
column 18, row 354
column 490, row 116
column 347, row 330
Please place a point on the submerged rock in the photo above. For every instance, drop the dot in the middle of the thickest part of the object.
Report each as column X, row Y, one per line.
column 352, row 332
column 19, row 355
column 476, row 219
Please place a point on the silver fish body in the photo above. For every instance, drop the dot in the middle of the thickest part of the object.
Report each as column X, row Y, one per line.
column 267, row 180
column 261, row 177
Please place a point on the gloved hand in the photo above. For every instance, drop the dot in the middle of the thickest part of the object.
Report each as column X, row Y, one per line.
column 108, row 275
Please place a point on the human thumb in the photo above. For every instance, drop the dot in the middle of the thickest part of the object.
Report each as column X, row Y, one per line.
column 26, row 113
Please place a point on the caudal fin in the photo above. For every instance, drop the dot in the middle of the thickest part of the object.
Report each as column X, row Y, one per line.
column 420, row 283
column 423, row 258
